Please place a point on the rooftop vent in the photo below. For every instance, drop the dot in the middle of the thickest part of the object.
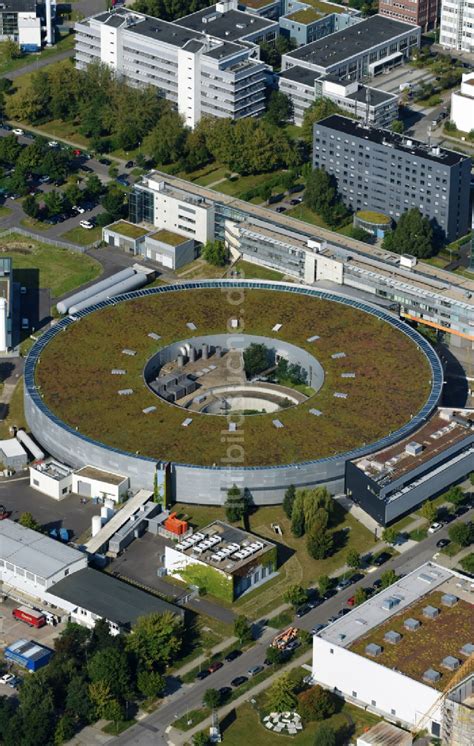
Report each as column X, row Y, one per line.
column 467, row 649
column 450, row 662
column 430, row 612
column 392, row 637
column 431, row 676
column 449, row 599
column 412, row 624
column 413, row 448
column 373, row 649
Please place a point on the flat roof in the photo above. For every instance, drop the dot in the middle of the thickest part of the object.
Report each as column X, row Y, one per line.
column 35, row 552
column 11, row 448
column 229, row 26
column 438, row 434
column 391, row 140
column 386, row 734
column 351, row 41
column 229, row 537
column 124, row 228
column 109, row 597
column 90, row 472
column 168, row 237
column 300, row 75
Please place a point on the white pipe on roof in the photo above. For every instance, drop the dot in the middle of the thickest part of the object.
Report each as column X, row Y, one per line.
column 30, row 444
column 131, row 283
column 64, row 305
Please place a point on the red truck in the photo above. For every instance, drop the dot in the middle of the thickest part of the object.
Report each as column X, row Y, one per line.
column 30, row 616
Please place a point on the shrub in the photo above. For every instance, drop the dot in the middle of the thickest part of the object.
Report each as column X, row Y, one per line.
column 316, row 704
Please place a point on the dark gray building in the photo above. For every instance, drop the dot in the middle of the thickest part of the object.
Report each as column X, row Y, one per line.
column 378, row 170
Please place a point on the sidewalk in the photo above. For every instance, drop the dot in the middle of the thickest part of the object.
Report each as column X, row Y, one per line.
column 201, row 658
column 179, row 738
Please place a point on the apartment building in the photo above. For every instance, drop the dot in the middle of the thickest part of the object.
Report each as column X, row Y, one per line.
column 379, row 170
column 457, row 25
column 362, row 50
column 423, row 13
column 304, row 86
column 206, row 63
column 420, row 293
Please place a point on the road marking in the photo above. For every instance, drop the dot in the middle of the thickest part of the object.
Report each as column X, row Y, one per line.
column 9, row 481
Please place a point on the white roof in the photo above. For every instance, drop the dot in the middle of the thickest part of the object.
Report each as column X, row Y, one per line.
column 33, row 551
column 12, row 448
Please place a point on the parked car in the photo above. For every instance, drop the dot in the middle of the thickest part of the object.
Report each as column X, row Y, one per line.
column 442, row 543
column 53, row 144
column 296, row 201
column 202, row 674
column 280, row 209
column 381, row 559
column 238, row 681
column 225, row 692
column 44, row 179
column 317, row 628
column 461, row 509
column 215, row 666
column 351, row 601
column 87, row 169
column 129, row 164
column 18, row 131
column 76, row 152
column 435, row 527
column 232, row 655
column 5, row 126
column 78, row 209
column 332, row 619
column 302, row 610
column 292, row 645
column 343, row 612
column 105, row 161
column 7, row 678
column 122, row 179
column 86, row 224
column 255, row 670
column 343, row 584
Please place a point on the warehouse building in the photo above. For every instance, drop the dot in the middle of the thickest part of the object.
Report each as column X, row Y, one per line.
column 30, row 562
column 28, row 654
column 363, row 50
column 89, row 595
column 224, row 560
column 51, row 478
column 403, row 683
column 12, row 454
column 389, row 173
column 392, row 482
column 104, row 485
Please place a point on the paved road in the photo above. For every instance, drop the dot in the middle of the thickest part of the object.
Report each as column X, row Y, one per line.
column 38, row 63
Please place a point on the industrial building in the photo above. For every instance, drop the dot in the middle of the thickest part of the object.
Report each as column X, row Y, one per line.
column 304, row 87
column 456, row 25
column 165, row 247
column 89, row 595
column 127, row 279
column 389, row 173
column 206, row 63
column 57, row 480
column 401, row 678
column 12, row 454
column 362, row 50
column 28, row 654
column 30, row 562
column 422, row 13
column 462, row 104
column 417, row 291
column 224, row 560
column 392, row 482
column 51, row 478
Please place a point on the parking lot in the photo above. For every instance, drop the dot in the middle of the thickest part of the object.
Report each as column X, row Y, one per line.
column 12, row 629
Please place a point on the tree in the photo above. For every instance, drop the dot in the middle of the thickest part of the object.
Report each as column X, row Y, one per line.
column 297, row 517
column 256, row 359
column 360, row 596
column 201, row 739
column 77, row 703
column 319, row 109
column 455, row 495
column 398, row 127
column 296, row 595
column 56, row 164
column 113, row 202
column 216, row 253
column 54, row 202
column 27, row 521
column 324, row 735
column 321, row 196
column 7, row 710
column 73, row 194
column 389, row 577
column 11, row 49
column 99, row 695
column 462, row 533
column 281, row 695
column 279, row 108
column 236, row 504
column 37, row 711
column 413, row 234
column 274, row 656
column 288, row 500
column 64, row 730
column 156, row 640
column 211, row 699
column 467, row 563
column 324, row 583
column 114, row 712
column 429, row 511
column 316, row 704
column 166, row 141
column 110, row 667
column 320, row 543
column 10, row 149
column 243, row 629
column 93, row 188
column 353, row 559
column 151, row 683
column 30, row 206
column 390, row 535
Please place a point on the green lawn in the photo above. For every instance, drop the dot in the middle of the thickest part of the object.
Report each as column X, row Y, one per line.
column 82, row 236
column 4, row 212
column 7, row 66
column 211, row 176
column 249, row 271
column 200, row 269
column 16, row 414
column 244, row 183
column 37, row 264
column 116, row 728
column 304, row 213
column 34, row 225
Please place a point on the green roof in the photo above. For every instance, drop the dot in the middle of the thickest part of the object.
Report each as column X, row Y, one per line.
column 307, row 15
column 127, row 229
column 392, row 377
column 173, row 239
column 373, row 217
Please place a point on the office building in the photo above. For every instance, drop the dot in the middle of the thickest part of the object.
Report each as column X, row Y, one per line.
column 392, row 482
column 20, row 21
column 304, row 86
column 206, row 63
column 397, row 653
column 306, row 23
column 457, row 25
column 362, row 50
column 462, row 104
column 379, row 170
column 422, row 13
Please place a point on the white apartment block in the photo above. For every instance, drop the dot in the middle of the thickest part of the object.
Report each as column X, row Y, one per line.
column 457, row 25
column 206, row 63
column 462, row 104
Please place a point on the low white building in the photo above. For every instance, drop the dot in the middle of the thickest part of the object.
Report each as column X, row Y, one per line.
column 30, row 562
column 462, row 104
column 12, row 454
column 92, row 482
column 51, row 478
column 363, row 656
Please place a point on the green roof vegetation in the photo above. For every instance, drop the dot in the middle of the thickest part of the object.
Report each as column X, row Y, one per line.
column 173, row 239
column 392, row 377
column 306, row 15
column 326, row 8
column 256, row 3
column 127, row 229
column 373, row 217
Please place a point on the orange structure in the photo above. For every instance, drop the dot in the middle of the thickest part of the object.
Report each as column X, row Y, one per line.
column 175, row 525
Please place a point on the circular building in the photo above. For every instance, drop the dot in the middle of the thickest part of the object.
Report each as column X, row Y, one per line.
column 162, row 380
column 375, row 223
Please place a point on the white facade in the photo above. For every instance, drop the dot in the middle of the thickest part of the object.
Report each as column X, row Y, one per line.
column 457, row 25
column 180, row 212
column 91, row 482
column 462, row 104
column 29, row 31
column 381, row 689
column 51, row 478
